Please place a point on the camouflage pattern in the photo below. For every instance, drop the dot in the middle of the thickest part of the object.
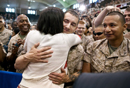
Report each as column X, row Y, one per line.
column 14, row 40
column 101, row 60
column 75, row 57
column 1, row 68
column 5, row 35
column 85, row 41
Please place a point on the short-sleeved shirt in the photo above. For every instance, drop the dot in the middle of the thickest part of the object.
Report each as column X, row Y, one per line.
column 86, row 40
column 75, row 56
column 14, row 40
column 5, row 35
column 98, row 55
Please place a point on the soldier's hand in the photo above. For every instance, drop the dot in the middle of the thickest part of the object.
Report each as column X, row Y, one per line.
column 58, row 78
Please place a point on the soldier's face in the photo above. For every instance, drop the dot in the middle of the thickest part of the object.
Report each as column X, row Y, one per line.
column 98, row 33
column 80, row 29
column 69, row 23
column 112, row 27
column 23, row 24
column 127, row 17
column 1, row 23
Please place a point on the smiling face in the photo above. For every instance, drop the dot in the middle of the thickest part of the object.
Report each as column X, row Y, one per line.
column 23, row 23
column 98, row 33
column 113, row 27
column 70, row 23
column 1, row 24
column 127, row 17
column 81, row 28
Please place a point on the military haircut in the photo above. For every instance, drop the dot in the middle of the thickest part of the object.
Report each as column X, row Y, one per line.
column 122, row 18
column 74, row 13
column 127, row 9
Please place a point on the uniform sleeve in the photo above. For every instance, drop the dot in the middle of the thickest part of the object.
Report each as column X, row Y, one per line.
column 72, row 39
column 10, row 47
column 87, row 55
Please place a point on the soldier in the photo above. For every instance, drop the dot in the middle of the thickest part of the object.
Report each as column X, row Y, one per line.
column 5, row 35
column 16, row 42
column 110, row 54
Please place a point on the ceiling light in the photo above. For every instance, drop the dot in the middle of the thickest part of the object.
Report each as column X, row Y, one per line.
column 29, row 7
column 54, row 5
column 64, row 0
column 64, row 10
column 8, row 5
column 82, row 8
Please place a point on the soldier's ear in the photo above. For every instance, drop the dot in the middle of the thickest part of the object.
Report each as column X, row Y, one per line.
column 125, row 27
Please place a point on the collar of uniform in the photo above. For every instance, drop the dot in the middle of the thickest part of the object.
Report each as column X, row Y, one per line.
column 122, row 50
column 104, row 47
column 2, row 30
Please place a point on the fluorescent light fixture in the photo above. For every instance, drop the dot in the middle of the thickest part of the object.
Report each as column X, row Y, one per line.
column 31, row 12
column 82, row 8
column 10, row 10
column 7, row 10
column 54, row 5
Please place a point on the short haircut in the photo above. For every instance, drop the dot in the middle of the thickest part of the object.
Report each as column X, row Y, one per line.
column 1, row 17
column 81, row 22
column 13, row 23
column 74, row 13
column 122, row 18
column 127, row 9
column 51, row 21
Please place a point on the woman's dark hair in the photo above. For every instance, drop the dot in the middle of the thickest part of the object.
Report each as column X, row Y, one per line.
column 51, row 21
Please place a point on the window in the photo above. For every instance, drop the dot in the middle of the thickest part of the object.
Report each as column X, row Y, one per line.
column 31, row 12
column 93, row 1
column 12, row 10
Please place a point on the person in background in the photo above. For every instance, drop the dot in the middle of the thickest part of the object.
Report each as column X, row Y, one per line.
column 4, row 39
column 4, row 34
column 127, row 18
column 33, row 27
column 80, row 31
column 88, row 24
column 98, row 33
column 15, row 46
column 15, row 28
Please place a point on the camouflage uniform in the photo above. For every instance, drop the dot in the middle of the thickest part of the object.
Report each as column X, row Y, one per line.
column 74, row 61
column 86, row 40
column 74, row 57
column 14, row 40
column 5, row 35
column 101, row 60
column 4, row 39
